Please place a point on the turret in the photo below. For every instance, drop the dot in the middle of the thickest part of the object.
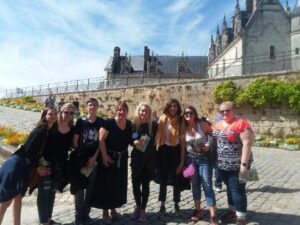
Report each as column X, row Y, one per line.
column 287, row 7
column 211, row 50
column 225, row 37
column 249, row 6
column 295, row 36
column 255, row 5
column 218, row 42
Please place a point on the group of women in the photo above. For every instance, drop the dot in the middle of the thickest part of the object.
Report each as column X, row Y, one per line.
column 161, row 150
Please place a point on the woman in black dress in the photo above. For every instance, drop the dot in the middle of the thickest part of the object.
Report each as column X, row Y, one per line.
column 142, row 158
column 110, row 190
column 54, row 162
column 15, row 172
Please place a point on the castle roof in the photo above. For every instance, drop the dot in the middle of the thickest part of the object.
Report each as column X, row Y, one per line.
column 165, row 64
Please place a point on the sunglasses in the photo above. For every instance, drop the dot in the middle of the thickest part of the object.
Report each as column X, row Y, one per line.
column 188, row 113
column 225, row 111
column 68, row 113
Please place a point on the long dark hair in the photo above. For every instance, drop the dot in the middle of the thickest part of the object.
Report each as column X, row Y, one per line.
column 194, row 110
column 168, row 104
column 43, row 120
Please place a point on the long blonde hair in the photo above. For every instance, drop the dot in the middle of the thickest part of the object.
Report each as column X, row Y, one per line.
column 137, row 120
column 65, row 106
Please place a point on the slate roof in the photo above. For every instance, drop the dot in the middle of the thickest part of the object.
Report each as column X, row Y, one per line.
column 166, row 64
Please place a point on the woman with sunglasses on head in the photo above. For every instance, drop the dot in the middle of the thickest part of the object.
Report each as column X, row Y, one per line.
column 110, row 189
column 142, row 158
column 15, row 172
column 195, row 134
column 170, row 154
column 53, row 163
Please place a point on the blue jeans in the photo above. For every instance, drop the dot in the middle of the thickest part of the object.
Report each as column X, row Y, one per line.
column 218, row 178
column 236, row 192
column 202, row 177
column 45, row 199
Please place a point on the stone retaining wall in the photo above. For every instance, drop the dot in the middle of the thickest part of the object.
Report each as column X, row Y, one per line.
column 273, row 120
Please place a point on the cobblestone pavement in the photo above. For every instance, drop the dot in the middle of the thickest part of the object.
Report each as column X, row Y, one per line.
column 273, row 200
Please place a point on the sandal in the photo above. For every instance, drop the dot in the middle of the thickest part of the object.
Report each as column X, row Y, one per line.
column 197, row 215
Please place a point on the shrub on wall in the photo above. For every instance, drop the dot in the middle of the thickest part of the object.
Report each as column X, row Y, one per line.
column 260, row 92
column 225, row 91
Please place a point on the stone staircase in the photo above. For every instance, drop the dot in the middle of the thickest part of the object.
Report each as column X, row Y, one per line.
column 5, row 152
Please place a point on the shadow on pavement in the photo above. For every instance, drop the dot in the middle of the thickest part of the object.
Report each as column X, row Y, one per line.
column 270, row 189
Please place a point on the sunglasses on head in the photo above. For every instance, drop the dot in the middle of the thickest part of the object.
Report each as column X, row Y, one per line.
column 225, row 111
column 188, row 113
column 68, row 113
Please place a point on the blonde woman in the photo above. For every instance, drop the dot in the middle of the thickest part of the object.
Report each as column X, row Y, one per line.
column 142, row 158
column 53, row 162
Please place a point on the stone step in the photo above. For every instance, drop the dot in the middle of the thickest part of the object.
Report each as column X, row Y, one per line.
column 5, row 152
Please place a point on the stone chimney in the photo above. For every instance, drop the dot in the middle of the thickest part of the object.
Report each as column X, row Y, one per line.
column 146, row 57
column 249, row 6
column 117, row 52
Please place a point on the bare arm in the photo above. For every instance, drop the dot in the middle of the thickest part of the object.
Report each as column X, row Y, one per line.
column 102, row 137
column 75, row 141
column 246, row 138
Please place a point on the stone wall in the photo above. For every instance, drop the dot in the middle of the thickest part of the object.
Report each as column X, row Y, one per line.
column 273, row 120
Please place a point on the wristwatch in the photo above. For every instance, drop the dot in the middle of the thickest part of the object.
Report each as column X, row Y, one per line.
column 244, row 164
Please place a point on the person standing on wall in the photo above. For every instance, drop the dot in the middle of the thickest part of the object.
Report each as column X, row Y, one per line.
column 234, row 139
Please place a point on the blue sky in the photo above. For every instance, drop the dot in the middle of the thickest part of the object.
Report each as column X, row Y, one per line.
column 46, row 41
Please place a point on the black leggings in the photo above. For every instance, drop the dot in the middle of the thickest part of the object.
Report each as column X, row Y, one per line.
column 141, row 196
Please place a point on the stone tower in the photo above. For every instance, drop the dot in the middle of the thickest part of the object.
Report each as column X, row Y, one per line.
column 295, row 36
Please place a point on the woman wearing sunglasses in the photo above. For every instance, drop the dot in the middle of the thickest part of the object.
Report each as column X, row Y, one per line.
column 195, row 134
column 53, row 163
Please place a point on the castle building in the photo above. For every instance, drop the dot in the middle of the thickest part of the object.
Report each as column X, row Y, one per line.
column 150, row 64
column 263, row 38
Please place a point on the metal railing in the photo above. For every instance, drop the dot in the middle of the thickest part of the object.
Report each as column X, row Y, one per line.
column 97, row 83
column 282, row 62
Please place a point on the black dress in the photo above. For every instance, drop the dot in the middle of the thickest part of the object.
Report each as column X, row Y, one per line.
column 110, row 190
column 144, row 163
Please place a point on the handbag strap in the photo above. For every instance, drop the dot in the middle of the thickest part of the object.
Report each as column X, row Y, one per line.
column 40, row 152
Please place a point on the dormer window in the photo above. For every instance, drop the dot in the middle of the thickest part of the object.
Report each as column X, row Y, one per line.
column 272, row 52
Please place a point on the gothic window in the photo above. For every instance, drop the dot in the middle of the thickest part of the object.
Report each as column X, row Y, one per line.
column 126, row 67
column 236, row 53
column 152, row 68
column 224, row 67
column 297, row 51
column 181, row 67
column 272, row 52
column 217, row 69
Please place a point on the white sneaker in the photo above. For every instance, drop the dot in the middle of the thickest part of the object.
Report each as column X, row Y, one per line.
column 217, row 189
